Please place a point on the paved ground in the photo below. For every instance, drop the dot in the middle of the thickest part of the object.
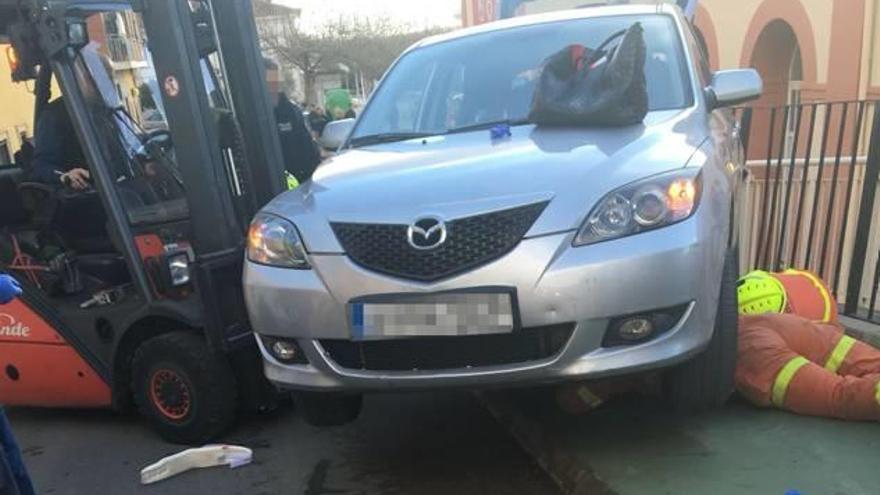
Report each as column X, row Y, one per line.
column 636, row 447
column 429, row 444
column 423, row 444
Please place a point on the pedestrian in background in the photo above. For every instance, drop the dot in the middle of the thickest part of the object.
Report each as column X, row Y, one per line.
column 317, row 120
column 14, row 478
column 300, row 153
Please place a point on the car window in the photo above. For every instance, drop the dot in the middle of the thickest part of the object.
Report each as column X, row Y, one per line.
column 406, row 109
column 492, row 76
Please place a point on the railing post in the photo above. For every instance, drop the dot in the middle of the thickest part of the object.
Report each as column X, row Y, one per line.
column 866, row 214
column 745, row 130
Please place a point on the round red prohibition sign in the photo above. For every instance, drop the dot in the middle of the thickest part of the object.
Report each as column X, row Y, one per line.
column 172, row 87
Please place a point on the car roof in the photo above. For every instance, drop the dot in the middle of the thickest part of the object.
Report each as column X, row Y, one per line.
column 562, row 15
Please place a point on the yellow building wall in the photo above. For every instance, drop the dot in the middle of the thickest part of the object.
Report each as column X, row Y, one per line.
column 819, row 12
column 872, row 51
column 733, row 19
column 16, row 106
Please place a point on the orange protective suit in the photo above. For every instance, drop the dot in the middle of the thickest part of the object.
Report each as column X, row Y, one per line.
column 807, row 367
column 808, row 295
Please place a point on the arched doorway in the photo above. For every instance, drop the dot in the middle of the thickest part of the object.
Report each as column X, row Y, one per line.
column 777, row 56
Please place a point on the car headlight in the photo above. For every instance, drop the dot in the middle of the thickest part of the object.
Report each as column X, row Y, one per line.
column 274, row 241
column 642, row 206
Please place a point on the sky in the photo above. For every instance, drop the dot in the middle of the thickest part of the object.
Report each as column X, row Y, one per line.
column 419, row 13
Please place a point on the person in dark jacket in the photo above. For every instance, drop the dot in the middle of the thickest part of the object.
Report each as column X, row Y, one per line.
column 301, row 154
column 14, row 478
column 317, row 119
column 58, row 158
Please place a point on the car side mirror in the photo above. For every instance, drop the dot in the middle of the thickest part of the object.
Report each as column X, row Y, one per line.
column 335, row 133
column 732, row 87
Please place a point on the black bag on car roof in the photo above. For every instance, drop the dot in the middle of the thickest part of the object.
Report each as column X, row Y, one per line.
column 605, row 86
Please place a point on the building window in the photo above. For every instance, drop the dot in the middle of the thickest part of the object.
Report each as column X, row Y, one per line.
column 111, row 24
column 5, row 157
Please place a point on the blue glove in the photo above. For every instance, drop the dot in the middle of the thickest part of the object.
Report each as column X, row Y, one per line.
column 500, row 131
column 9, row 289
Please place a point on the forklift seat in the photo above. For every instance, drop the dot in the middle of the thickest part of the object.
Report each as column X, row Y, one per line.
column 37, row 200
column 78, row 219
column 108, row 268
column 12, row 210
column 81, row 223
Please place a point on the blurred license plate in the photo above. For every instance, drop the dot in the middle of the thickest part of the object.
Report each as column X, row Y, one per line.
column 449, row 314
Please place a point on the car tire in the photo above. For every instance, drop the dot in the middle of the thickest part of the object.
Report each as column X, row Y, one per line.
column 329, row 409
column 707, row 381
column 186, row 390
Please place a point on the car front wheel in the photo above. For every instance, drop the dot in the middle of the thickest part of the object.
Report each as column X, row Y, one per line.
column 707, row 381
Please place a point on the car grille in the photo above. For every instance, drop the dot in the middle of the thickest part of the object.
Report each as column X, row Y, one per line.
column 440, row 353
column 470, row 242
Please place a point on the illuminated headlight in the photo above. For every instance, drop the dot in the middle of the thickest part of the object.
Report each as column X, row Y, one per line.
column 13, row 59
column 178, row 268
column 274, row 241
column 646, row 205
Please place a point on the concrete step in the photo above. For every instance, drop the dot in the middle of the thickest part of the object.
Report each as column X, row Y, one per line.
column 862, row 330
column 635, row 446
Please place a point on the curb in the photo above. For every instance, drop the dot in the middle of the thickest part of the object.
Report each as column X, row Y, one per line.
column 868, row 333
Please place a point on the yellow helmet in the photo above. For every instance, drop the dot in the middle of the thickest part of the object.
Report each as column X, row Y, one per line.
column 760, row 292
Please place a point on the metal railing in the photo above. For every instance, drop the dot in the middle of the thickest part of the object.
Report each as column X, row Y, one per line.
column 813, row 185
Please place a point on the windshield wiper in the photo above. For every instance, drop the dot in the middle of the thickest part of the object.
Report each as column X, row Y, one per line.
column 488, row 125
column 388, row 137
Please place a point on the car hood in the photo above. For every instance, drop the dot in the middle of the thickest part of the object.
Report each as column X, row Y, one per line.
column 460, row 175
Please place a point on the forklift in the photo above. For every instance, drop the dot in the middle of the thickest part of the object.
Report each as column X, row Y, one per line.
column 132, row 285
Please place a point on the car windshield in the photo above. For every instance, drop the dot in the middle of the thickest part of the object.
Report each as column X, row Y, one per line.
column 487, row 78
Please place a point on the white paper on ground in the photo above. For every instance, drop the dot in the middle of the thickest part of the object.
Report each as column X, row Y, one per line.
column 208, row 456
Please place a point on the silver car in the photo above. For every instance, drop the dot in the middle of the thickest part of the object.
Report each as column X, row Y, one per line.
column 439, row 250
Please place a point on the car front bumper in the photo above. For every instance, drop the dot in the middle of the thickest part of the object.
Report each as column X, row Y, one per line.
column 555, row 283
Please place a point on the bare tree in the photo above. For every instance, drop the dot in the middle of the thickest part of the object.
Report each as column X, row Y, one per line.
column 371, row 44
column 310, row 52
column 365, row 45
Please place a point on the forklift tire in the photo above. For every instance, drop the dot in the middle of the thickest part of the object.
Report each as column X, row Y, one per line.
column 707, row 381
column 329, row 409
column 187, row 391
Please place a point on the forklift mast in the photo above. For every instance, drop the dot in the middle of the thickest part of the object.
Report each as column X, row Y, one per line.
column 179, row 35
column 223, row 192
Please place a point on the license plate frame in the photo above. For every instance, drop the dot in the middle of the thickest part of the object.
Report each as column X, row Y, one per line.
column 360, row 311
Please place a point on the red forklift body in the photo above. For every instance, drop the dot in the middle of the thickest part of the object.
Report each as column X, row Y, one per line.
column 41, row 368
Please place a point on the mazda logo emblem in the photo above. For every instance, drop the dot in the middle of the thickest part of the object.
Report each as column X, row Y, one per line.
column 426, row 233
